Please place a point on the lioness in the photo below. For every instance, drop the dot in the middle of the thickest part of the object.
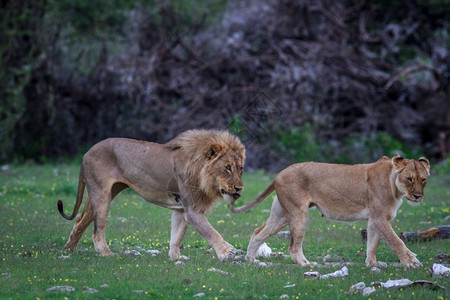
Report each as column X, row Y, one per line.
column 187, row 174
column 370, row 192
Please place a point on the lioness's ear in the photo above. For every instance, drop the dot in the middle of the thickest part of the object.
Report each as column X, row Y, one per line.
column 399, row 162
column 213, row 151
column 425, row 163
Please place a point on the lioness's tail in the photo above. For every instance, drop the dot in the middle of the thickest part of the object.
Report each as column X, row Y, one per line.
column 255, row 202
column 80, row 193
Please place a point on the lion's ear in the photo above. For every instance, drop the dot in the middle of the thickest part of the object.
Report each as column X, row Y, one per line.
column 399, row 162
column 426, row 164
column 213, row 151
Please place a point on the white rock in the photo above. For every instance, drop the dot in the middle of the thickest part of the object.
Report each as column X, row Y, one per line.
column 178, row 263
column 358, row 287
column 339, row 273
column 264, row 251
column 184, row 257
column 440, row 270
column 289, row 286
column 382, row 265
column 199, row 295
column 62, row 288
column 64, row 256
column 137, row 291
column 104, row 286
column 375, row 270
column 399, row 283
column 284, row 296
column 368, row 290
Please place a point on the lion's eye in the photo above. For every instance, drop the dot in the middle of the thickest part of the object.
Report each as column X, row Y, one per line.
column 409, row 179
column 228, row 168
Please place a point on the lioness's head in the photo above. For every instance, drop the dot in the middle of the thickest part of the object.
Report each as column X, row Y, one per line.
column 411, row 176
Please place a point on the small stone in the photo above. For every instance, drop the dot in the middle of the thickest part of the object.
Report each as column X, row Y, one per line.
column 132, row 252
column 357, row 287
column 284, row 235
column 178, row 263
column 326, row 258
column 61, row 288
column 199, row 295
column 289, row 286
column 153, row 252
column 64, row 256
column 104, row 286
column 262, row 264
column 284, row 296
column 137, row 291
column 184, row 257
column 218, row 271
column 368, row 291
column 382, row 265
column 375, row 270
column 87, row 289
column 266, row 211
column 314, row 274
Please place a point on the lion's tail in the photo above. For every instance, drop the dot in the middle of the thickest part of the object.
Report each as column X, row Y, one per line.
column 80, row 193
column 255, row 202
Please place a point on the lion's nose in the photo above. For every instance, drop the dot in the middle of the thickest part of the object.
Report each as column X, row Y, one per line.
column 238, row 188
column 416, row 196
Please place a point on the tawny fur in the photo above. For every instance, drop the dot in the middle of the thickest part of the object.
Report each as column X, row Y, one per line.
column 187, row 174
column 370, row 192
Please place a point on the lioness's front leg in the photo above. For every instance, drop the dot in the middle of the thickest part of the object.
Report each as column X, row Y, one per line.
column 385, row 231
column 224, row 250
column 373, row 240
column 177, row 231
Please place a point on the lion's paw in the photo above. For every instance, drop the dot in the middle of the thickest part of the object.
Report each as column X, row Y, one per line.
column 230, row 256
column 410, row 261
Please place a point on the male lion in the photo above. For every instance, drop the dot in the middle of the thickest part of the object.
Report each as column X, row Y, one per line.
column 187, row 174
column 370, row 192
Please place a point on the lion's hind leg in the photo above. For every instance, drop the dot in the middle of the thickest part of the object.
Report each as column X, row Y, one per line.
column 80, row 226
column 277, row 220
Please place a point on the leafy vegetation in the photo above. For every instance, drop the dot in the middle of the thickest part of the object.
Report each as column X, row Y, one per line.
column 33, row 234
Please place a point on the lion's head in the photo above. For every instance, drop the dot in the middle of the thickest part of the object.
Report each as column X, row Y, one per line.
column 411, row 176
column 214, row 163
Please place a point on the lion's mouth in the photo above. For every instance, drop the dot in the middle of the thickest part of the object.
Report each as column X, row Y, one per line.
column 235, row 195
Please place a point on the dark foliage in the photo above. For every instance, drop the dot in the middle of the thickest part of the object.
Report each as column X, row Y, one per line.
column 264, row 68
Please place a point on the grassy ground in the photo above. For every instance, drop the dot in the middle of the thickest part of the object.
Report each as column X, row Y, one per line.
column 33, row 234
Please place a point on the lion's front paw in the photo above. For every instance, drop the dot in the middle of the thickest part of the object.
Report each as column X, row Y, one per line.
column 230, row 255
column 409, row 260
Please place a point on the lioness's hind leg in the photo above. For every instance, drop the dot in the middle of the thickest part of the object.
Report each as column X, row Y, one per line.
column 177, row 231
column 298, row 219
column 277, row 220
column 101, row 202
column 80, row 226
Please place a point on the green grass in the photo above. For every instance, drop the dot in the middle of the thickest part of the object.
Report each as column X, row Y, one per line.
column 33, row 234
